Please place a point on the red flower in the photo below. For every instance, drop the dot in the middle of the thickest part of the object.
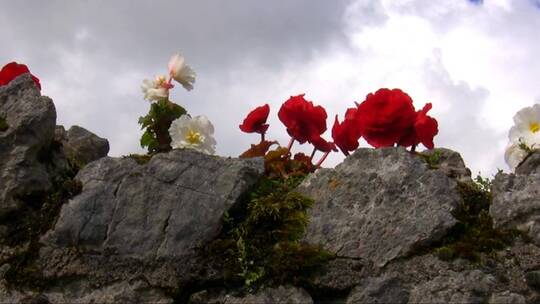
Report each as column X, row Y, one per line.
column 304, row 121
column 11, row 70
column 322, row 145
column 424, row 129
column 255, row 121
column 386, row 116
column 347, row 133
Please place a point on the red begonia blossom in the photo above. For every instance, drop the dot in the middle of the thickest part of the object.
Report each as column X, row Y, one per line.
column 304, row 121
column 347, row 133
column 424, row 129
column 386, row 116
column 255, row 121
column 323, row 145
column 11, row 70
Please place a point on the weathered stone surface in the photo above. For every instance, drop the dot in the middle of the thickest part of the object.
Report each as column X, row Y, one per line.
column 81, row 292
column 279, row 295
column 452, row 287
column 530, row 165
column 379, row 205
column 533, row 278
column 380, row 290
column 451, row 163
column 506, row 297
column 145, row 220
column 340, row 275
column 516, row 203
column 81, row 145
column 31, row 119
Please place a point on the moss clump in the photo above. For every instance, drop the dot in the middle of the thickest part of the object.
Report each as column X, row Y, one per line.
column 3, row 124
column 260, row 243
column 432, row 159
column 474, row 234
column 141, row 159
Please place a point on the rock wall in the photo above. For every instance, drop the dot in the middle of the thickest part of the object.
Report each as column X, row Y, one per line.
column 77, row 226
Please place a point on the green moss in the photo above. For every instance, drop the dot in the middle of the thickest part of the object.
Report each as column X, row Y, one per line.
column 141, row 159
column 260, row 243
column 3, row 124
column 432, row 159
column 474, row 234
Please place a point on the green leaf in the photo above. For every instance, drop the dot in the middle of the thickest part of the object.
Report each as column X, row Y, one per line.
column 147, row 139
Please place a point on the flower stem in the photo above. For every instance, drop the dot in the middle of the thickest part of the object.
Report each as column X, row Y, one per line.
column 318, row 164
column 262, row 137
column 345, row 152
column 289, row 146
column 413, row 148
column 312, row 154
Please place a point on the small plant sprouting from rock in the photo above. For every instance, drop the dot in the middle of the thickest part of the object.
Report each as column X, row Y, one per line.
column 474, row 234
column 141, row 159
column 260, row 242
column 156, row 124
column 168, row 125
column 432, row 159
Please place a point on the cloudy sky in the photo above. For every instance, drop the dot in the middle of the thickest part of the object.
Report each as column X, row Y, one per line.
column 476, row 61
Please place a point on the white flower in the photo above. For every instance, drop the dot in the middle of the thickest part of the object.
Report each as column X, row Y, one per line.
column 195, row 133
column 156, row 89
column 526, row 126
column 514, row 155
column 181, row 72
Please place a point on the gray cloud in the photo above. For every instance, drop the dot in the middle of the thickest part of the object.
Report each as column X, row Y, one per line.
column 213, row 34
column 93, row 55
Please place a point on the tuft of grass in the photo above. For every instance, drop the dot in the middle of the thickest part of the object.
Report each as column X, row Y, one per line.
column 474, row 234
column 141, row 159
column 260, row 242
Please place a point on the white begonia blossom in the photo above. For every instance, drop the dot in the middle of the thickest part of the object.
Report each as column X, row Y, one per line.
column 156, row 89
column 514, row 155
column 194, row 133
column 523, row 136
column 526, row 126
column 181, row 72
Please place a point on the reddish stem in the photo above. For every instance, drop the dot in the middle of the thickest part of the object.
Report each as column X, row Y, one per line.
column 262, row 137
column 289, row 146
column 346, row 153
column 312, row 154
column 318, row 165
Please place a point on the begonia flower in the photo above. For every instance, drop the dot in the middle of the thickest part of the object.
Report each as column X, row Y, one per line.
column 255, row 121
column 11, row 70
column 386, row 116
column 181, row 72
column 156, row 89
column 514, row 155
column 526, row 126
column 323, row 145
column 303, row 120
column 347, row 133
column 423, row 131
column 193, row 133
